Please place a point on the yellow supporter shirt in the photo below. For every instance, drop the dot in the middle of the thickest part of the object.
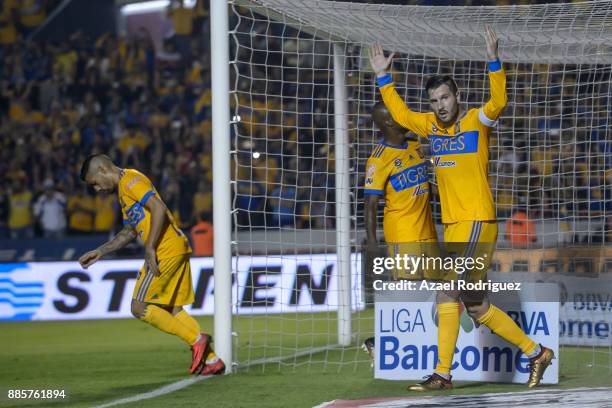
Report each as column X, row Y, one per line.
column 32, row 118
column 80, row 210
column 16, row 111
column 182, row 20
column 138, row 140
column 202, row 202
column 399, row 173
column 8, row 31
column 134, row 191
column 32, row 19
column 460, row 153
column 20, row 215
column 105, row 213
column 66, row 62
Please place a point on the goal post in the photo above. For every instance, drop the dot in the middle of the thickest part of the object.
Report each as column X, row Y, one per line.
column 343, row 203
column 219, row 16
column 301, row 92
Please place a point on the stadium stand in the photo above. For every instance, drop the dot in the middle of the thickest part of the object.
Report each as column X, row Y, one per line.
column 150, row 108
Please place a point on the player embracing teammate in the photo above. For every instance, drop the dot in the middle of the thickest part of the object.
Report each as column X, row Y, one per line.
column 460, row 152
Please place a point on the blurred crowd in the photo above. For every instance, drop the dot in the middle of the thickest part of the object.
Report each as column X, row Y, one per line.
column 148, row 108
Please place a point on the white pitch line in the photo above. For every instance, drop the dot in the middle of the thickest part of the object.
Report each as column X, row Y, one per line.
column 544, row 397
column 179, row 385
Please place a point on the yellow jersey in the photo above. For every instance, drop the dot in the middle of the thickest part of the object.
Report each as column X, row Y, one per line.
column 20, row 205
column 182, row 19
column 134, row 191
column 399, row 173
column 80, row 211
column 460, row 153
column 105, row 213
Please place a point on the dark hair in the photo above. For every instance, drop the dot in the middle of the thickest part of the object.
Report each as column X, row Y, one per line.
column 439, row 80
column 86, row 164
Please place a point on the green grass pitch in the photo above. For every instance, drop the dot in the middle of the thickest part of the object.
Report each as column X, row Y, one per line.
column 103, row 360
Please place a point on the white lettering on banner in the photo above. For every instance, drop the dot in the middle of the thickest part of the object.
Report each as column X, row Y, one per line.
column 273, row 284
column 593, row 301
column 585, row 313
column 586, row 309
column 406, row 343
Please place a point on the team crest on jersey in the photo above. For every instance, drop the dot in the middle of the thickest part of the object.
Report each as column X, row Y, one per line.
column 397, row 163
column 135, row 214
column 434, row 128
column 371, row 170
column 369, row 180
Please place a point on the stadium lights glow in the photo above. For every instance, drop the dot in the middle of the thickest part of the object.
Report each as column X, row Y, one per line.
column 150, row 6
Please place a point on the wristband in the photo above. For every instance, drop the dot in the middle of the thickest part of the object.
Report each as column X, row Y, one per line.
column 495, row 65
column 384, row 80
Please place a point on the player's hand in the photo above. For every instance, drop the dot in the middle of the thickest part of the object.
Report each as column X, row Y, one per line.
column 492, row 43
column 151, row 261
column 380, row 64
column 90, row 258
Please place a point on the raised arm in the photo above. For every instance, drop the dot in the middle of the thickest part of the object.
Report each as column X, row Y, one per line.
column 414, row 121
column 124, row 237
column 494, row 107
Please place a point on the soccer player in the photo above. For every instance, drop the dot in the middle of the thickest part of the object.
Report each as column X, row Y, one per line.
column 460, row 152
column 397, row 171
column 164, row 283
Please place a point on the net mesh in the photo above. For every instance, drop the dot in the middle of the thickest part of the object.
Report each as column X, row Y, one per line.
column 551, row 154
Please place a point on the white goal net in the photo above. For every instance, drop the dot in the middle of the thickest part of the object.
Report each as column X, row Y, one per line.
column 551, row 156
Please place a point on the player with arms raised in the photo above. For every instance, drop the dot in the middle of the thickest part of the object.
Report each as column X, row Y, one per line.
column 460, row 152
column 164, row 283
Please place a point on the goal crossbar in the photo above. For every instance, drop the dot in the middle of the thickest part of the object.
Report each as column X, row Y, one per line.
column 529, row 33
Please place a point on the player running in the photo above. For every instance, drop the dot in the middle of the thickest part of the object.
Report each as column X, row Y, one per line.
column 397, row 171
column 460, row 152
column 164, row 283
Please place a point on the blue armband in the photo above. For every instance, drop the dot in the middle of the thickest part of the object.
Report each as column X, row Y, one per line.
column 495, row 65
column 384, row 80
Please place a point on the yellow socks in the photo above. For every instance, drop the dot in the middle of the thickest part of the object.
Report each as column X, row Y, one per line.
column 164, row 321
column 498, row 321
column 448, row 331
column 193, row 324
column 188, row 321
column 211, row 357
column 495, row 319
